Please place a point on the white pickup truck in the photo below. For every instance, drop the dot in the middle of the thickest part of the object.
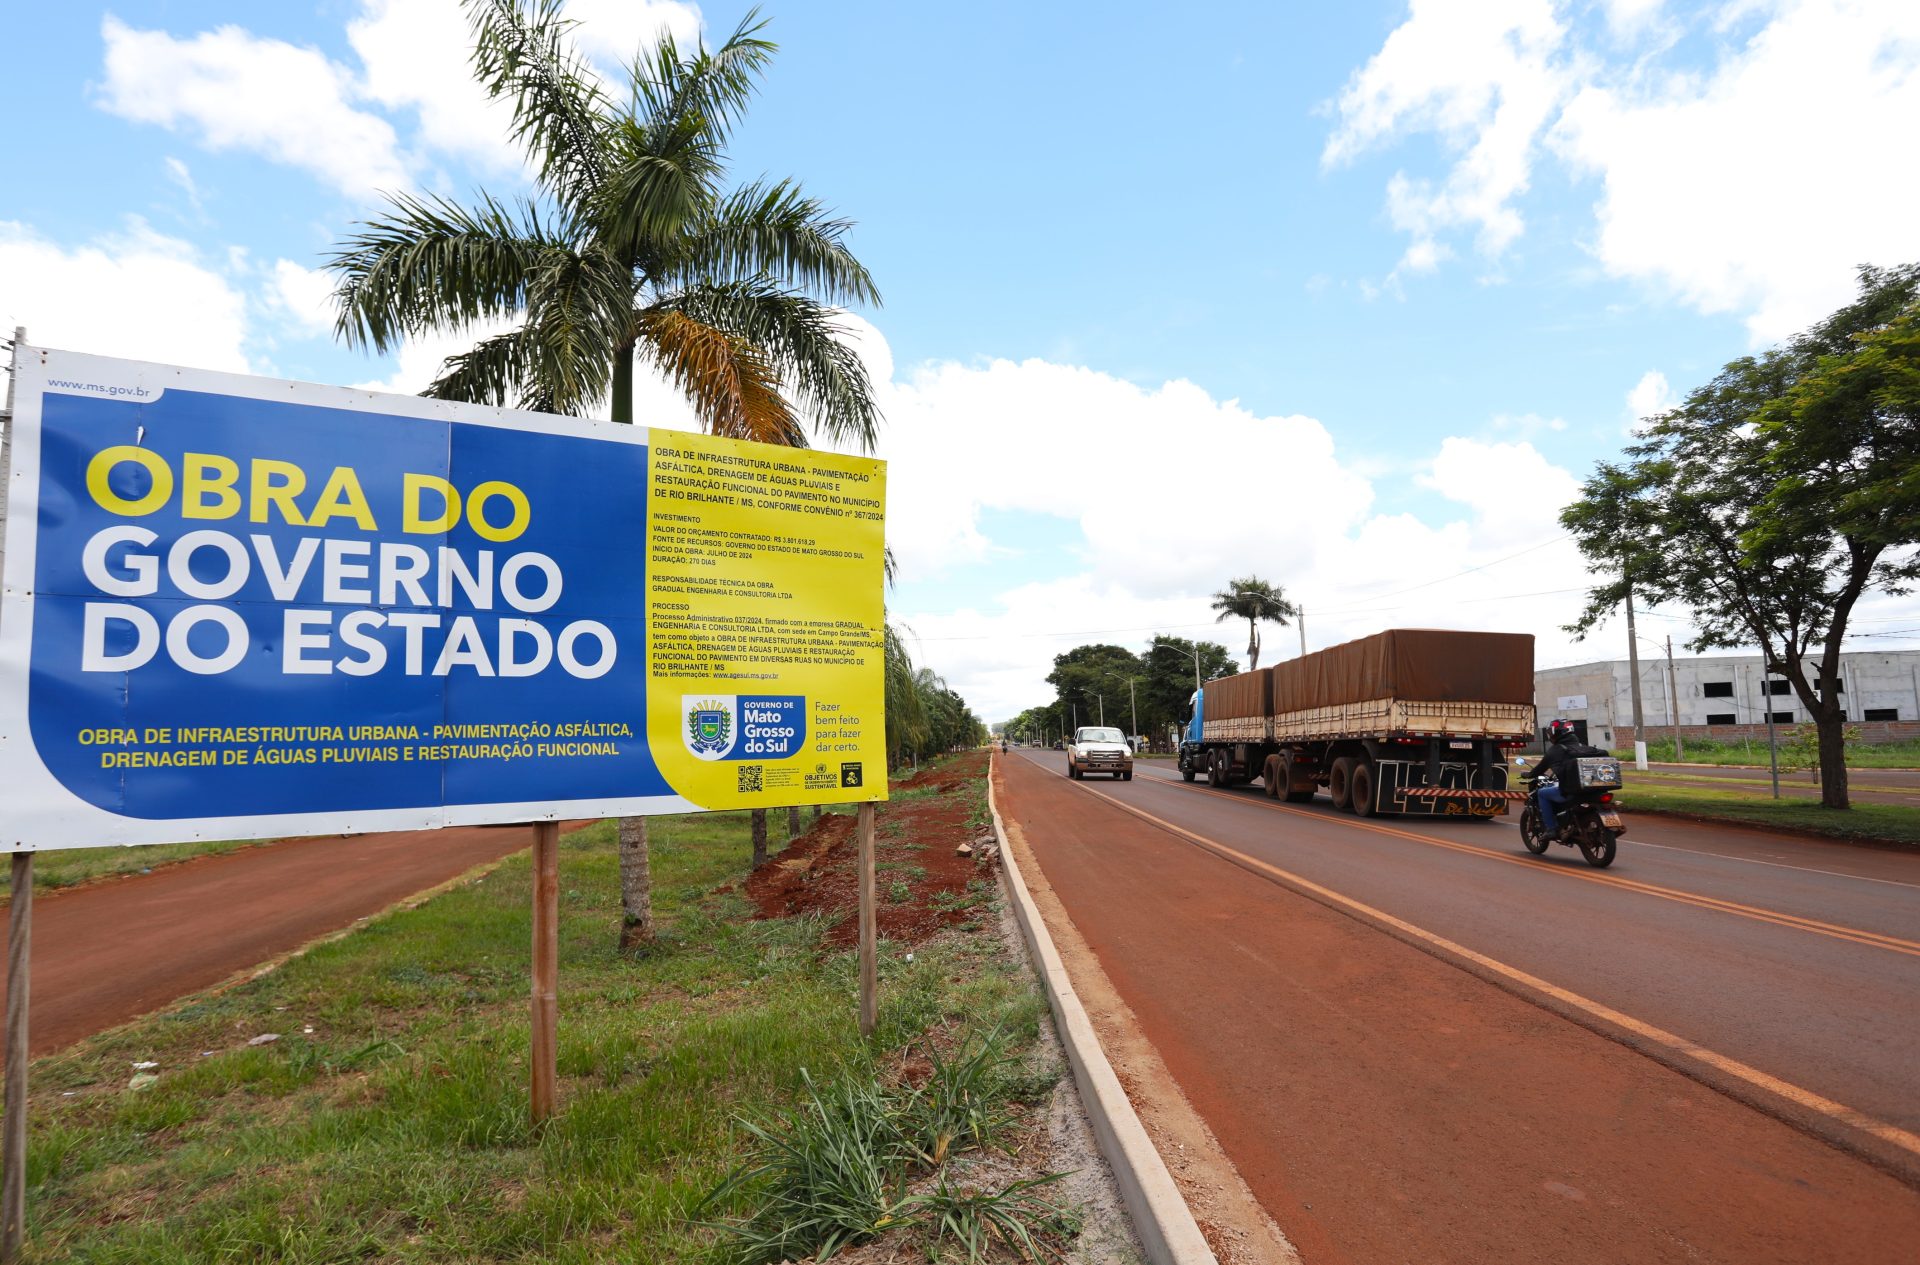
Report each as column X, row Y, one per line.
column 1099, row 750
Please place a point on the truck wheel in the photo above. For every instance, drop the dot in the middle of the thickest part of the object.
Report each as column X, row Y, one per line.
column 1273, row 775
column 1286, row 784
column 1340, row 784
column 1360, row 789
column 1187, row 773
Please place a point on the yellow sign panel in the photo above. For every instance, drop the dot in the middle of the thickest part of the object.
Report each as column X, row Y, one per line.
column 764, row 622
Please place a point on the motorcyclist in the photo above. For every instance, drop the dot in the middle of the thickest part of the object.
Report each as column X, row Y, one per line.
column 1563, row 748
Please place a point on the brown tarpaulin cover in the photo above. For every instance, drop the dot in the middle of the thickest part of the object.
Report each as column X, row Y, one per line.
column 1427, row 664
column 1238, row 697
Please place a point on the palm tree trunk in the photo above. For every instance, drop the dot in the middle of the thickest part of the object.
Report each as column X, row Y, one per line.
column 759, row 837
column 1253, row 646
column 623, row 384
column 636, row 865
column 816, row 812
column 793, row 822
column 636, row 884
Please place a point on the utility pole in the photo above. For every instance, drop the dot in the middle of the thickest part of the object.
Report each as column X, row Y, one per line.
column 1633, row 675
column 1301, row 617
column 1773, row 742
column 1673, row 702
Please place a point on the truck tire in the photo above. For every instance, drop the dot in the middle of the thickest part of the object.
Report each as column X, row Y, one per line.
column 1274, row 775
column 1340, row 784
column 1187, row 773
column 1361, row 789
column 1216, row 769
column 1287, row 790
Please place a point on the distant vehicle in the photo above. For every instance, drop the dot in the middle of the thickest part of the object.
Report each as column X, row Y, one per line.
column 1096, row 749
column 1405, row 721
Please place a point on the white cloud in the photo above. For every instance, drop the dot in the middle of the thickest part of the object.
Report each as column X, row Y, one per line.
column 1650, row 397
column 1758, row 188
column 238, row 91
column 1155, row 534
column 612, row 31
column 136, row 294
column 1752, row 184
column 414, row 56
column 302, row 297
column 1483, row 75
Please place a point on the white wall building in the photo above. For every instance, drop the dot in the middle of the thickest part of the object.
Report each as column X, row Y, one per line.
column 1881, row 692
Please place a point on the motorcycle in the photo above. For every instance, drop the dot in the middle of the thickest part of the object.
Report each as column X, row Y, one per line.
column 1590, row 821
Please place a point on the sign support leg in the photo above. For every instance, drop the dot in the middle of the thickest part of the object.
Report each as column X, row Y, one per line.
column 546, row 965
column 13, row 1149
column 869, row 946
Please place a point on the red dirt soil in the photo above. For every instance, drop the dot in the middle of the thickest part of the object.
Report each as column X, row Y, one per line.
column 818, row 873
column 106, row 952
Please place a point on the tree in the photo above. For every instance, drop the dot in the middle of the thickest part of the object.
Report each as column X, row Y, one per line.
column 1085, row 672
column 633, row 247
column 1257, row 602
column 1169, row 677
column 1775, row 497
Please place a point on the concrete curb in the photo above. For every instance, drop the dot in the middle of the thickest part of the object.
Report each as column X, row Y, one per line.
column 1160, row 1214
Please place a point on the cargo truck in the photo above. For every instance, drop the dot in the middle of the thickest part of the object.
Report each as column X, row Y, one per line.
column 1411, row 720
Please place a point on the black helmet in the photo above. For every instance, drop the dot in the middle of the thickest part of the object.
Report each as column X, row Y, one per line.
column 1560, row 731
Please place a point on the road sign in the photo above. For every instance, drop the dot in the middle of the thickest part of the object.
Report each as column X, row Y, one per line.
column 241, row 607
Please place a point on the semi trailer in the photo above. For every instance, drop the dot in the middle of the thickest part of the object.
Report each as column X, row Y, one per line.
column 1411, row 720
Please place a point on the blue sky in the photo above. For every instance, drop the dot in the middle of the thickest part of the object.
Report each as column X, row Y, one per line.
column 1346, row 295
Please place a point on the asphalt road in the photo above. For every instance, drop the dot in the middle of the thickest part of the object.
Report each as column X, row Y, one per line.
column 1417, row 1041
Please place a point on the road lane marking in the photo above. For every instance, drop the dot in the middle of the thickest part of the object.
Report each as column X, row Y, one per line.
column 1804, row 1098
column 1795, row 922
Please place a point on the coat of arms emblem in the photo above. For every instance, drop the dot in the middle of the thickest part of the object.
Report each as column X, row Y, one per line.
column 709, row 727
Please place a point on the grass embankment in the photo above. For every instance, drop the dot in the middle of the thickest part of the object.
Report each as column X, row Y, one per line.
column 1864, row 822
column 1860, row 755
column 69, row 866
column 389, row 1119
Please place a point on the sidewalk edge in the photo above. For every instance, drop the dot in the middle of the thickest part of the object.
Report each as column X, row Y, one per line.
column 1160, row 1214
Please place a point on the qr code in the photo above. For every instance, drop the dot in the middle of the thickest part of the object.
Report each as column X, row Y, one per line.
column 749, row 778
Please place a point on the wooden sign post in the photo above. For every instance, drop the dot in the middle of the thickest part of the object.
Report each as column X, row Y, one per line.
column 869, row 946
column 13, row 1149
column 546, row 966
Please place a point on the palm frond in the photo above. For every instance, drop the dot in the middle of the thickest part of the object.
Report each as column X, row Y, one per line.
column 428, row 263
column 776, row 231
column 661, row 182
column 800, row 340
column 713, row 86
column 724, row 376
column 560, row 112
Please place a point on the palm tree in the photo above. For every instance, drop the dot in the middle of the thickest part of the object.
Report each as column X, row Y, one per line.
column 631, row 248
column 1253, row 600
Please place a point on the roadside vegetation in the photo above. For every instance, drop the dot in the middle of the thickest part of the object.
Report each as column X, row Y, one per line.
column 1865, row 821
column 1860, row 755
column 368, row 1100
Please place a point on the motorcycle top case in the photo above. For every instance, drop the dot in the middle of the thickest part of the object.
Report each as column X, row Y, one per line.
column 1597, row 773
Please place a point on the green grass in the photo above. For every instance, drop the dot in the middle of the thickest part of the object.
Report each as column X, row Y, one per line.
column 1860, row 755
column 398, row 1130
column 68, row 866
column 1892, row 823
